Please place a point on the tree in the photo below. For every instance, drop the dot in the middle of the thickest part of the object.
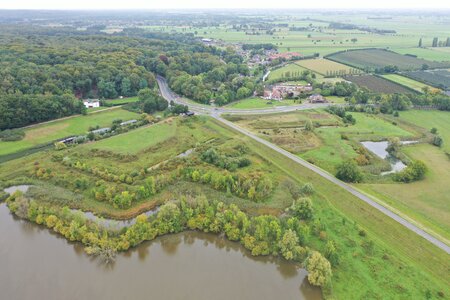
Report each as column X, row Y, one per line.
column 309, row 126
column 319, row 269
column 348, row 171
column 302, row 209
column 420, row 43
column 414, row 171
column 437, row 141
column 435, row 42
column 289, row 245
column 394, row 145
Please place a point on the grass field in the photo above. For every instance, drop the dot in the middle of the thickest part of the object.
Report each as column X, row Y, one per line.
column 427, row 200
column 430, row 119
column 327, row 67
column 122, row 101
column 48, row 132
column 405, row 81
column 259, row 103
column 137, row 140
column 378, row 84
column 285, row 72
column 370, row 59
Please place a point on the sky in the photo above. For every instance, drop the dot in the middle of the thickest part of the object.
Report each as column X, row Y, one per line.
column 177, row 4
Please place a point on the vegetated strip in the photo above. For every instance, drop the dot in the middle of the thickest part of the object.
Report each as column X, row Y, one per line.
column 345, row 186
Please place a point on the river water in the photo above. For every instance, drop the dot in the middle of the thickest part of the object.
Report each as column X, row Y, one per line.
column 39, row 264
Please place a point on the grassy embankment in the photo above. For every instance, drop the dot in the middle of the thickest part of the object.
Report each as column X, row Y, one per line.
column 48, row 132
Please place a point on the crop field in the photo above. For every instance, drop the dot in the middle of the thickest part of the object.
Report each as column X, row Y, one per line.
column 119, row 101
column 377, row 84
column 434, row 54
column 371, row 59
column 394, row 255
column 437, row 78
column 59, row 129
column 408, row 82
column 327, row 67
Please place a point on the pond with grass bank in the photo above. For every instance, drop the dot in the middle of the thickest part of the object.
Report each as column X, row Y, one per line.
column 39, row 264
column 379, row 149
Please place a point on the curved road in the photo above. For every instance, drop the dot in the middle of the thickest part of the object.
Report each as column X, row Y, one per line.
column 216, row 112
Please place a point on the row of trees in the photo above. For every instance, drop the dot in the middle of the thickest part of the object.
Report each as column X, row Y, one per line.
column 261, row 235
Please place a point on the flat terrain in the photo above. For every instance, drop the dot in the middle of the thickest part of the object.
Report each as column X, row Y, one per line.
column 327, row 67
column 286, row 72
column 370, row 59
column 408, row 82
column 434, row 54
column 259, row 103
column 48, row 132
column 436, row 78
column 378, row 84
column 427, row 200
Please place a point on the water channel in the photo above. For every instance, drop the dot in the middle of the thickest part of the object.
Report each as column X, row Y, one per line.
column 39, row 264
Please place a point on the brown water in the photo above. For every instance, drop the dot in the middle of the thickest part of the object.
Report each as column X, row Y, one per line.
column 38, row 264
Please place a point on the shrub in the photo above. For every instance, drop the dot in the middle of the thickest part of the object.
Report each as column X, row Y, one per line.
column 437, row 141
column 307, row 189
column 433, row 130
column 12, row 135
column 415, row 171
column 302, row 208
column 348, row 171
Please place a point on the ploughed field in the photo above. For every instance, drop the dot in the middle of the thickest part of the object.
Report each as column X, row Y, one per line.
column 378, row 84
column 198, row 158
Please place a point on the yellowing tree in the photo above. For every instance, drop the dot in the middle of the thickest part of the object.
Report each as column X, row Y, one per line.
column 319, row 269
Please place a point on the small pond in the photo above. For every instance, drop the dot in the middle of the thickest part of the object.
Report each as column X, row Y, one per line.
column 379, row 149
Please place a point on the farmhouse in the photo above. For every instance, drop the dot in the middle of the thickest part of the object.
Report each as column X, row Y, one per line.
column 280, row 91
column 317, row 98
column 286, row 55
column 90, row 103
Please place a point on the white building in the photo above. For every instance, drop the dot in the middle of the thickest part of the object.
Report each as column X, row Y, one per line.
column 90, row 103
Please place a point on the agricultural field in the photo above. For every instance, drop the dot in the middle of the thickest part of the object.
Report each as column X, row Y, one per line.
column 372, row 59
column 378, row 84
column 259, row 103
column 58, row 129
column 285, row 72
column 435, row 54
column 327, row 67
column 408, row 82
column 436, row 78
column 386, row 252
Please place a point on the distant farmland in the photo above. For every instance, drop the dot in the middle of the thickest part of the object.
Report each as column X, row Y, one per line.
column 377, row 84
column 327, row 67
column 437, row 78
column 408, row 82
column 372, row 59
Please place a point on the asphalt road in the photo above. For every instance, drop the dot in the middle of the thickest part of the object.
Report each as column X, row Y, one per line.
column 216, row 112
